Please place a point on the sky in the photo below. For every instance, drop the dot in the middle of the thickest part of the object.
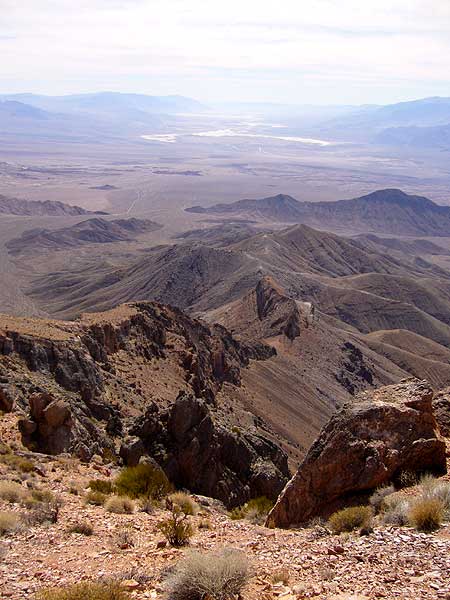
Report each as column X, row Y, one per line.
column 284, row 51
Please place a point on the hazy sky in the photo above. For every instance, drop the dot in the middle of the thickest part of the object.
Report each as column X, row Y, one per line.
column 294, row 51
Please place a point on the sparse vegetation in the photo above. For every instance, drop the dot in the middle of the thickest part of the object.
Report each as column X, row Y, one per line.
column 143, row 480
column 436, row 488
column 254, row 510
column 221, row 576
column 42, row 495
column 186, row 504
column 408, row 479
column 378, row 497
column 12, row 492
column 17, row 462
column 104, row 486
column 349, row 519
column 119, row 505
column 9, row 522
column 86, row 591
column 280, row 576
column 82, row 527
column 96, row 498
column 176, row 528
column 44, row 512
column 395, row 510
column 125, row 539
column 426, row 514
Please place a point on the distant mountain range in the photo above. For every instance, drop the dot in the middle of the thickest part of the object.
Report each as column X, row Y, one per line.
column 384, row 211
column 17, row 206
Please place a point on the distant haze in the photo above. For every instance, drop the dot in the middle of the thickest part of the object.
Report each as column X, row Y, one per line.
column 294, row 51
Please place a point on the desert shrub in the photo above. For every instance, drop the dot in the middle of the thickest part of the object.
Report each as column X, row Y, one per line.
column 4, row 448
column 426, row 514
column 280, row 576
column 86, row 591
column 18, row 463
column 436, row 488
column 378, row 497
column 147, row 505
column 143, row 480
column 82, row 527
column 104, row 486
column 119, row 505
column 186, row 504
column 125, row 539
column 12, row 492
column 44, row 512
column 221, row 576
column 254, row 510
column 349, row 519
column 96, row 498
column 395, row 510
column 42, row 495
column 74, row 488
column 176, row 528
column 205, row 524
column 9, row 522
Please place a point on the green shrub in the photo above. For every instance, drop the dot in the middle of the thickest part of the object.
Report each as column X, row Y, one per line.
column 9, row 522
column 176, row 528
column 119, row 505
column 426, row 514
column 104, row 486
column 96, row 498
column 12, row 492
column 220, row 576
column 81, row 527
column 85, row 591
column 143, row 480
column 349, row 519
column 186, row 504
column 254, row 510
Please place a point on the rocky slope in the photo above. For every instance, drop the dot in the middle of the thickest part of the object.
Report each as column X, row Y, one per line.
column 83, row 387
column 90, row 231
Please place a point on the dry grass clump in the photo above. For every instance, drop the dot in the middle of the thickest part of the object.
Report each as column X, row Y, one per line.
column 40, row 495
column 395, row 510
column 426, row 513
column 86, row 591
column 12, row 492
column 120, row 505
column 17, row 462
column 438, row 489
column 349, row 519
column 176, row 529
column 221, row 576
column 96, row 498
column 280, row 576
column 379, row 496
column 82, row 527
column 125, row 539
column 143, row 480
column 104, row 486
column 255, row 510
column 9, row 522
column 185, row 503
column 44, row 512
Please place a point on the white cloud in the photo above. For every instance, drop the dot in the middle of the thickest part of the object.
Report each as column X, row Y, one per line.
column 349, row 48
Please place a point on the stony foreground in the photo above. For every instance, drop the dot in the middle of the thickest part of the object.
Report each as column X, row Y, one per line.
column 390, row 563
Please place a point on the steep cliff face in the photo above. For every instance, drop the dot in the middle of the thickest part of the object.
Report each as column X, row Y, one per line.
column 83, row 386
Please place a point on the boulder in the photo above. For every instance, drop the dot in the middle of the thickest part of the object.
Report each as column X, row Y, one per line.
column 131, row 451
column 368, row 443
column 8, row 397
column 441, row 410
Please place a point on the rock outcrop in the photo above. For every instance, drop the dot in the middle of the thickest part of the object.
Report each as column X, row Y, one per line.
column 368, row 443
column 441, row 410
column 200, row 453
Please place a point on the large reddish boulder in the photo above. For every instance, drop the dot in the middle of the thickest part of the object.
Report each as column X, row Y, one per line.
column 441, row 410
column 368, row 443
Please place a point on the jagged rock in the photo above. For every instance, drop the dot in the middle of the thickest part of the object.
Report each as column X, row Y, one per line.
column 131, row 451
column 8, row 397
column 368, row 443
column 204, row 456
column 441, row 410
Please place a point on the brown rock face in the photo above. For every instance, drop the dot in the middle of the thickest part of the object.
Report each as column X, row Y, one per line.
column 441, row 410
column 368, row 443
